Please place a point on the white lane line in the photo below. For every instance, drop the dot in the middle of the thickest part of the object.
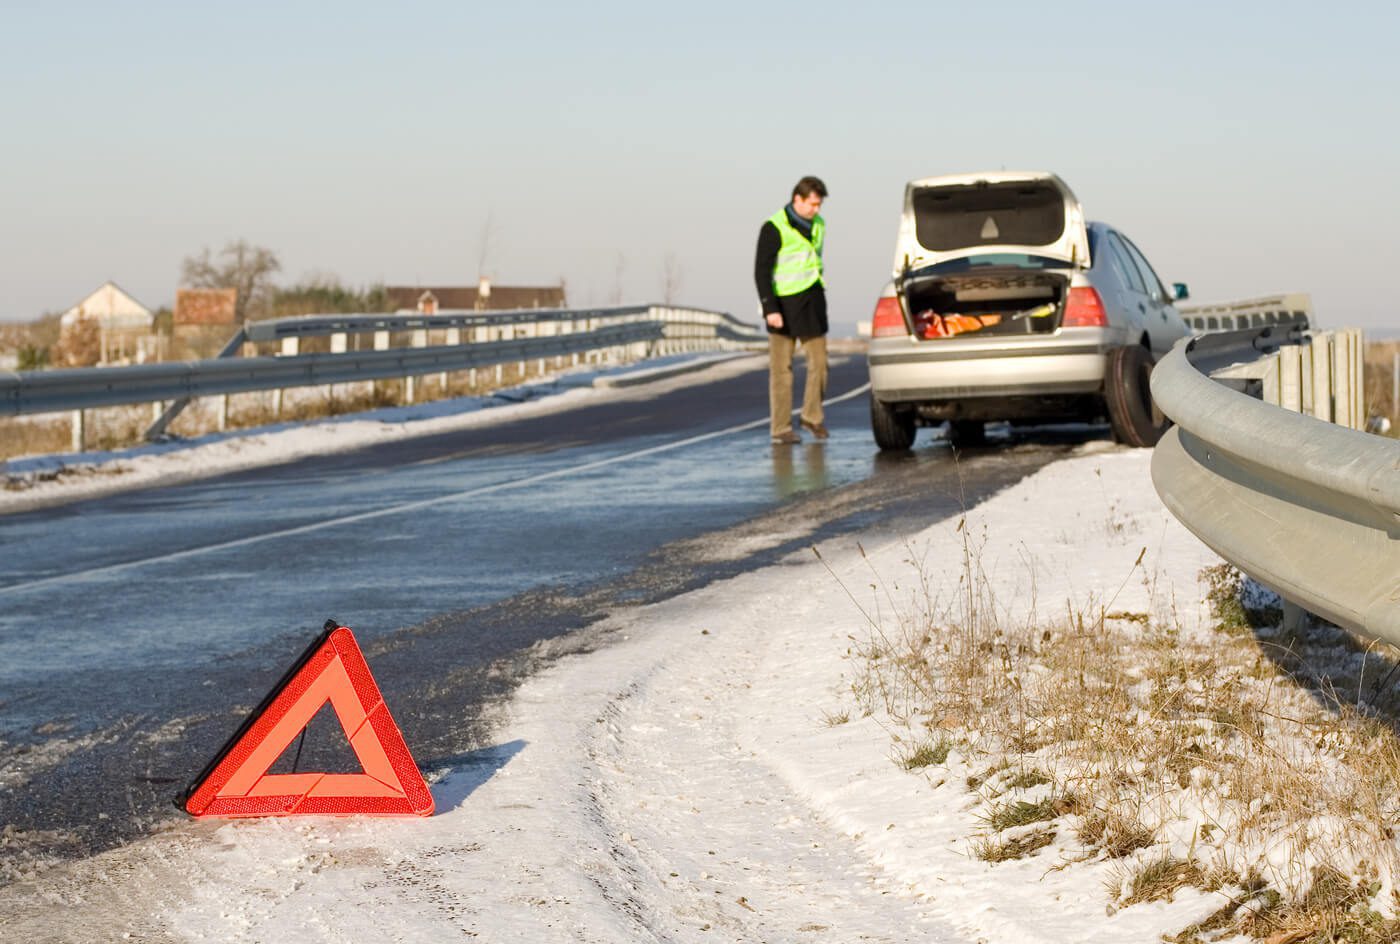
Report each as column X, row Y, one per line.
column 408, row 506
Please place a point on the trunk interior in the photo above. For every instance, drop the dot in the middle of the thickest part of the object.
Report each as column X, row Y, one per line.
column 982, row 304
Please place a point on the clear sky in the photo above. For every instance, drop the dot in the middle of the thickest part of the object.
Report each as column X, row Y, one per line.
column 1248, row 148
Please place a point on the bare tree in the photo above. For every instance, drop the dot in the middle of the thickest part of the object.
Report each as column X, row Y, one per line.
column 671, row 276
column 484, row 247
column 80, row 343
column 239, row 265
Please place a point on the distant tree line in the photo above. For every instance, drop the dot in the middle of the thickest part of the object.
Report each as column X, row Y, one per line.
column 250, row 269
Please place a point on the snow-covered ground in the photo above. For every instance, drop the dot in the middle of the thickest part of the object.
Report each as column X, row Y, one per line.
column 701, row 773
column 37, row 481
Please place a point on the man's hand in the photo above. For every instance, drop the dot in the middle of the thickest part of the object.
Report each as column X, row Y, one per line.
column 774, row 319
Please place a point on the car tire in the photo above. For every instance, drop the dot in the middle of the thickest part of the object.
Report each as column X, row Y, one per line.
column 894, row 429
column 1135, row 419
column 967, row 433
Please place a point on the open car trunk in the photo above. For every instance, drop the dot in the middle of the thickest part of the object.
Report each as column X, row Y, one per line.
column 985, row 303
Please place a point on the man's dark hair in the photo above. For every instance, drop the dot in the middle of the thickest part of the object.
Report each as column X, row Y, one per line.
column 809, row 185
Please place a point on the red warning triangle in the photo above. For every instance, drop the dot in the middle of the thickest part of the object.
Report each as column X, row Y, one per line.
column 332, row 669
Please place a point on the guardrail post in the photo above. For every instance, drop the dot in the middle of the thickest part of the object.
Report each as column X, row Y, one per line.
column 163, row 418
column 1320, row 353
column 1290, row 379
column 1341, row 383
column 291, row 347
column 410, row 383
column 1358, row 377
column 381, row 343
column 453, row 339
column 223, row 412
column 79, row 440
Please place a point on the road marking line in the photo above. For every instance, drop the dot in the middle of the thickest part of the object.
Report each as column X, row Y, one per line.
column 410, row 506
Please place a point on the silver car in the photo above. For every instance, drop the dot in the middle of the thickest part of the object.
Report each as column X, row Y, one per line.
column 1007, row 305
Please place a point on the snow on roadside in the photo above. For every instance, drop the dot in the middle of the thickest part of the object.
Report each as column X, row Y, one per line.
column 683, row 783
column 37, row 481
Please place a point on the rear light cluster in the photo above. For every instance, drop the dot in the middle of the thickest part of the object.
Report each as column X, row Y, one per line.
column 1084, row 309
column 889, row 319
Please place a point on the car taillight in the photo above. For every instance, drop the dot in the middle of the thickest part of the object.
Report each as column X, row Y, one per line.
column 888, row 320
column 1084, row 309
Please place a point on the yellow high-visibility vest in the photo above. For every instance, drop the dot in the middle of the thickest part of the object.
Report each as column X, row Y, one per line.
column 799, row 263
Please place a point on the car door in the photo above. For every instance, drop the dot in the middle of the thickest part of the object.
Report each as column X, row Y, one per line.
column 1134, row 301
column 1162, row 320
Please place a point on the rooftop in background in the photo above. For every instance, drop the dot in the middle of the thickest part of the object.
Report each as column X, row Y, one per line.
column 483, row 296
column 113, row 308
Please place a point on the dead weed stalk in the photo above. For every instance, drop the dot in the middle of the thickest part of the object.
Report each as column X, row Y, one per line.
column 1184, row 759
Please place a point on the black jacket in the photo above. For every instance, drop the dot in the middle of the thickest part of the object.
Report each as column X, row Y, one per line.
column 804, row 314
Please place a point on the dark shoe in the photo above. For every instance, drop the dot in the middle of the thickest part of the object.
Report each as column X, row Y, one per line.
column 789, row 438
column 818, row 430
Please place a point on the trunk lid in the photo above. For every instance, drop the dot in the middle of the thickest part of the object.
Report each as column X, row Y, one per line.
column 953, row 217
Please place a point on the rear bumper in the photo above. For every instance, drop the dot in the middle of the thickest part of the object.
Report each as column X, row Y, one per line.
column 907, row 371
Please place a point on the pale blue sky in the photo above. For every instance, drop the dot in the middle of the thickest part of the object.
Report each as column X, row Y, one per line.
column 1247, row 148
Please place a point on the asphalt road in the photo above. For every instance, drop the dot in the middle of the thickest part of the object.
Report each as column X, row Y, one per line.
column 137, row 630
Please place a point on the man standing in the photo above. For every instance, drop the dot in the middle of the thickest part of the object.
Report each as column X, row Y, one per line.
column 788, row 273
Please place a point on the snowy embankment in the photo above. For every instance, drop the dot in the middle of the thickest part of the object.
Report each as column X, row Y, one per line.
column 705, row 774
column 37, row 481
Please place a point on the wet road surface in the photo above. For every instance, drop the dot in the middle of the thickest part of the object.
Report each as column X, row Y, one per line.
column 137, row 630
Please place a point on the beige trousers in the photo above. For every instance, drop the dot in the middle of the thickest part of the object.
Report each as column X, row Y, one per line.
column 781, row 350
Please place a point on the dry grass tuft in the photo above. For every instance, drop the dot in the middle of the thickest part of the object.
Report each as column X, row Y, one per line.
column 1114, row 833
column 927, row 754
column 1025, row 779
column 1276, row 758
column 33, row 437
column 1335, row 908
column 1014, row 813
column 1004, row 848
column 1158, row 878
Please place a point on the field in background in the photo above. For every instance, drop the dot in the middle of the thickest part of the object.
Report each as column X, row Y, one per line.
column 1380, row 382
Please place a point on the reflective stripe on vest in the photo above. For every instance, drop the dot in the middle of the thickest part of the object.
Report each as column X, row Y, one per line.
column 799, row 263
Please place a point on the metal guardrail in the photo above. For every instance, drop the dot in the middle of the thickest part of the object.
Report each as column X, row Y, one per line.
column 324, row 325
column 1248, row 312
column 54, row 390
column 472, row 339
column 1309, row 508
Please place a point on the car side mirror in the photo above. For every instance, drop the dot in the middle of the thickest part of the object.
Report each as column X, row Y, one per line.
column 1180, row 292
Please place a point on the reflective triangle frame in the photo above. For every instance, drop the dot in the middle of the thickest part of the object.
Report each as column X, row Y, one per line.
column 236, row 783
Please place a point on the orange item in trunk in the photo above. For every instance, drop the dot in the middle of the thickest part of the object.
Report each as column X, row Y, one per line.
column 934, row 325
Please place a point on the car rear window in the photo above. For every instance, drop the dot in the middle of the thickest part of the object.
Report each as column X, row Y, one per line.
column 955, row 217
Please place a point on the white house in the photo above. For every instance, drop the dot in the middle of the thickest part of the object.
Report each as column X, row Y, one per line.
column 114, row 310
column 125, row 324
